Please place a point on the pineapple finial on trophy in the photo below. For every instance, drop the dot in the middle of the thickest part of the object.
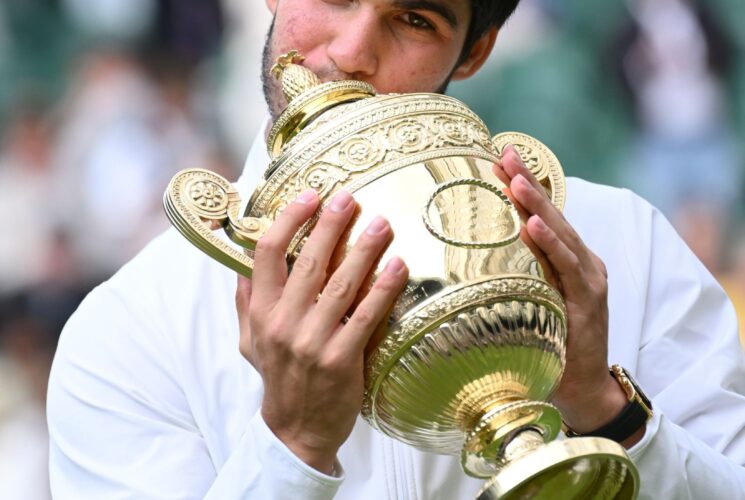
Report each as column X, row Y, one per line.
column 307, row 98
column 295, row 78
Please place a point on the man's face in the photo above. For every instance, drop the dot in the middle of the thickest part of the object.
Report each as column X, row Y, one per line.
column 396, row 45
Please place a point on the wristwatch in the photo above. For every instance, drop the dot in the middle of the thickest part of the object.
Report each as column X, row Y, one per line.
column 633, row 416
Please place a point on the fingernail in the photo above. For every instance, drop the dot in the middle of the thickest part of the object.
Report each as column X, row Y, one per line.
column 377, row 225
column 520, row 179
column 539, row 222
column 341, row 201
column 517, row 153
column 394, row 266
column 306, row 196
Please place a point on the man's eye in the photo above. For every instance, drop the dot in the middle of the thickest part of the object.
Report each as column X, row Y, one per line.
column 416, row 21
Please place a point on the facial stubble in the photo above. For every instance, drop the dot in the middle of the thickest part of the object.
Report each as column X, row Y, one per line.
column 275, row 99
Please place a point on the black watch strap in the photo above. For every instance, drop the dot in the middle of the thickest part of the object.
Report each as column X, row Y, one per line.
column 630, row 420
column 633, row 416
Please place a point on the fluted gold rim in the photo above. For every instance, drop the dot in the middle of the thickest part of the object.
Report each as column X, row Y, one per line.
column 530, row 468
column 416, row 323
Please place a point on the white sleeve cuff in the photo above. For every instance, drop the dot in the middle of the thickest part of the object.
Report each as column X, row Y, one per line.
column 653, row 425
column 286, row 467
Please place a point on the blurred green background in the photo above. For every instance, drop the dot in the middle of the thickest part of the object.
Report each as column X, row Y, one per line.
column 102, row 101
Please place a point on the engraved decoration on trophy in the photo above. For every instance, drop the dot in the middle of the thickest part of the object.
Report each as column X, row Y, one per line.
column 476, row 342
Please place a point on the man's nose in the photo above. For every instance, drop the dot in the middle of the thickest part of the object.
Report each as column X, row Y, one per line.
column 355, row 46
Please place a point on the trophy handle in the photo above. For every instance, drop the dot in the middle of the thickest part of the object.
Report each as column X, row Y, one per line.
column 540, row 160
column 198, row 202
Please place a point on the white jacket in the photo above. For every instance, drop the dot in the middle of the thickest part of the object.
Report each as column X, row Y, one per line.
column 150, row 398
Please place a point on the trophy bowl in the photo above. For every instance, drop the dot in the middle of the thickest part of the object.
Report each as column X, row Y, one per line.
column 475, row 344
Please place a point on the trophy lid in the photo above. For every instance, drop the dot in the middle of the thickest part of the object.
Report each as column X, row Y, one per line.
column 307, row 98
column 344, row 135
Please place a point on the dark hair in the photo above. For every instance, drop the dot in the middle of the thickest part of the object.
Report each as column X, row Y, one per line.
column 486, row 14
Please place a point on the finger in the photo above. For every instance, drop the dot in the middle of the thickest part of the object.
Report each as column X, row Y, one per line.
column 341, row 249
column 341, row 290
column 309, row 269
column 524, row 215
column 600, row 265
column 513, row 165
column 242, row 304
column 566, row 265
column 535, row 203
column 368, row 281
column 510, row 154
column 243, row 296
column 548, row 270
column 270, row 261
column 374, row 308
column 498, row 169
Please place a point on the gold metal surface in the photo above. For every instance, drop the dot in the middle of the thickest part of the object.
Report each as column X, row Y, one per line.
column 630, row 388
column 576, row 469
column 197, row 202
column 475, row 344
column 295, row 79
column 307, row 98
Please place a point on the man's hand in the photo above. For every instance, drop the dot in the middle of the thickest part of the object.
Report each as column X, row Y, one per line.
column 588, row 396
column 310, row 360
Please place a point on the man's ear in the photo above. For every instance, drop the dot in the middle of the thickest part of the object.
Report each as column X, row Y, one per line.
column 477, row 57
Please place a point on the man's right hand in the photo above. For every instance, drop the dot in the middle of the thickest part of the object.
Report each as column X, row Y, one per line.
column 311, row 361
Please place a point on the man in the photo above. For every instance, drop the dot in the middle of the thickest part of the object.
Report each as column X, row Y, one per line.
column 159, row 391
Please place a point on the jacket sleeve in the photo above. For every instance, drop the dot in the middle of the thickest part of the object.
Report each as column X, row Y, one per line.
column 120, row 423
column 692, row 366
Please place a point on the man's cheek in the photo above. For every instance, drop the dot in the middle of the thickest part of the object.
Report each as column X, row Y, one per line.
column 301, row 30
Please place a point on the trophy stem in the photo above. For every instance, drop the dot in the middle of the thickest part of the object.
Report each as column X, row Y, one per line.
column 522, row 441
column 508, row 430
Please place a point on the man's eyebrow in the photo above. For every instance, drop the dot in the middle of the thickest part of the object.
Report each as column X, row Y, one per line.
column 443, row 10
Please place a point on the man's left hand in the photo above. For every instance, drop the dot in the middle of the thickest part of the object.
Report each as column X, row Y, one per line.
column 588, row 396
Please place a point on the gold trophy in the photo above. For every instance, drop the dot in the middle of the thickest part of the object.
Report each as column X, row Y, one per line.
column 475, row 344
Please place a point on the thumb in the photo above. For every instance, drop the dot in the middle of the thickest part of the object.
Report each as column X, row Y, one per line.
column 242, row 303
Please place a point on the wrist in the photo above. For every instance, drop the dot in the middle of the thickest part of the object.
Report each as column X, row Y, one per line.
column 323, row 462
column 590, row 410
column 321, row 458
column 635, row 437
column 626, row 426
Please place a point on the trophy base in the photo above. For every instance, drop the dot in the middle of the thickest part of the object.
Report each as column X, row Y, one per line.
column 577, row 468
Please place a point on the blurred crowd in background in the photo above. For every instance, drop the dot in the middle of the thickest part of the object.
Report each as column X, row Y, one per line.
column 102, row 101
